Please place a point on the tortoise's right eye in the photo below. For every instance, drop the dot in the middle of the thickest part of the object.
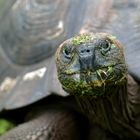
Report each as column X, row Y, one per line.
column 67, row 54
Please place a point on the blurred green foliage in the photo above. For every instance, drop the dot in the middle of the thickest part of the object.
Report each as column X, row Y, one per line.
column 5, row 125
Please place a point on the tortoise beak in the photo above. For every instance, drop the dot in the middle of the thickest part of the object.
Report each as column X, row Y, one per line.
column 86, row 58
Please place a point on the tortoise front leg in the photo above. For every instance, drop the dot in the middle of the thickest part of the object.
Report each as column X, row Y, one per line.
column 53, row 124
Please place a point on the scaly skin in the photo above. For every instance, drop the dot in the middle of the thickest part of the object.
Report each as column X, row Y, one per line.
column 92, row 67
column 52, row 124
column 57, row 124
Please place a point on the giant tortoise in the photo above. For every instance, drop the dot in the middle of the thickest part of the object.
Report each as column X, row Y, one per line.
column 90, row 67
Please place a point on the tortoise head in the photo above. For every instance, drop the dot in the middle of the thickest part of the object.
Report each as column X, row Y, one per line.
column 88, row 64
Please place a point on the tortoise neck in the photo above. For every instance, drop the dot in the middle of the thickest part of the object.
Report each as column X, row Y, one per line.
column 115, row 100
column 110, row 111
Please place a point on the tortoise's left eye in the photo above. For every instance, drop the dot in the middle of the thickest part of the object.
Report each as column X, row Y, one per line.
column 105, row 46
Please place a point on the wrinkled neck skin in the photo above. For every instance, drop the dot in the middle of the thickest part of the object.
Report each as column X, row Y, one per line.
column 116, row 112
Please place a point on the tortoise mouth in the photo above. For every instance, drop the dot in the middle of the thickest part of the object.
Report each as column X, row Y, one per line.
column 90, row 75
column 93, row 82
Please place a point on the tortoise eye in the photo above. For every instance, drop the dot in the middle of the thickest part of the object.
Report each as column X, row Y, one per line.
column 105, row 46
column 67, row 54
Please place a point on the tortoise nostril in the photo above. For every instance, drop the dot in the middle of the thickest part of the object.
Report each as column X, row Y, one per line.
column 85, row 51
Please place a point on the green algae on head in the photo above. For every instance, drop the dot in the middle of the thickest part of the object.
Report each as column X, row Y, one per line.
column 87, row 64
column 77, row 40
column 84, row 38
